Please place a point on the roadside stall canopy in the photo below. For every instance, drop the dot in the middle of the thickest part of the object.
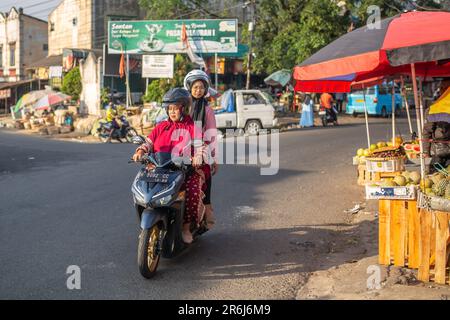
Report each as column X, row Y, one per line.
column 421, row 38
column 415, row 43
column 440, row 110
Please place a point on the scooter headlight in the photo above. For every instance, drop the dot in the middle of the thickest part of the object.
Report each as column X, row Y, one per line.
column 164, row 201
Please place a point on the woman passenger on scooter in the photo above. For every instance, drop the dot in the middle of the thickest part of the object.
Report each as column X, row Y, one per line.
column 179, row 131
column 198, row 83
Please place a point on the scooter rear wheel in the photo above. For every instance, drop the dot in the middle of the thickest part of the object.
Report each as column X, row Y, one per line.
column 130, row 134
column 148, row 251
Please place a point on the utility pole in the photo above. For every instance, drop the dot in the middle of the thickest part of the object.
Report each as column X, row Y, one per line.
column 251, row 28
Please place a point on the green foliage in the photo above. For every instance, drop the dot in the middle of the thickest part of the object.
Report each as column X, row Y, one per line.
column 176, row 9
column 157, row 88
column 72, row 83
column 105, row 95
column 289, row 31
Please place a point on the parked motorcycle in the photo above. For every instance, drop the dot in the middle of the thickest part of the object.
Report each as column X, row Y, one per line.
column 328, row 115
column 160, row 204
column 123, row 131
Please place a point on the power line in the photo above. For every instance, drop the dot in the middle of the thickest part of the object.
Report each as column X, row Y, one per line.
column 30, row 6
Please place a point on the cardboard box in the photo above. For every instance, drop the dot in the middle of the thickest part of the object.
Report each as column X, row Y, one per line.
column 391, row 193
column 385, row 165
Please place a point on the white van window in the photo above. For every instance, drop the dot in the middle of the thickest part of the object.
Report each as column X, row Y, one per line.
column 252, row 98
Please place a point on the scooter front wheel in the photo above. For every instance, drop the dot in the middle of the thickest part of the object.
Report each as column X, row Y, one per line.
column 149, row 250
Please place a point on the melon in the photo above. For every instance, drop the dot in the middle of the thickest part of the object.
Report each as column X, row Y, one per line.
column 389, row 183
column 400, row 180
column 406, row 174
column 366, row 152
column 381, row 144
column 415, row 177
column 437, row 177
column 373, row 147
column 360, row 152
column 428, row 183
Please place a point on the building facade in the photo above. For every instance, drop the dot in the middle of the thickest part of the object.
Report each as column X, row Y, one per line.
column 23, row 40
column 82, row 24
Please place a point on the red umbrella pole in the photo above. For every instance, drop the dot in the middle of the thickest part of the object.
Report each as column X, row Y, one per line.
column 419, row 126
column 393, row 113
column 365, row 114
column 405, row 99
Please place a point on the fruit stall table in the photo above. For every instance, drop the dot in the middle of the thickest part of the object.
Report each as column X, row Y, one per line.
column 416, row 234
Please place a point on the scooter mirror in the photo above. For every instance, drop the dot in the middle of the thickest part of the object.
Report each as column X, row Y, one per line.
column 138, row 140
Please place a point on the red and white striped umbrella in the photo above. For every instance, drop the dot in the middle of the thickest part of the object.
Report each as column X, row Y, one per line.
column 49, row 100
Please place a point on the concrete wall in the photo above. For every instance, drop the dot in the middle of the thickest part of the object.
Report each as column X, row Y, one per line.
column 92, row 21
column 64, row 32
column 90, row 70
column 29, row 35
column 34, row 40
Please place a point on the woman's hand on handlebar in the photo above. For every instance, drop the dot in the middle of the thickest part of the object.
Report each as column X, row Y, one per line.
column 197, row 161
column 138, row 155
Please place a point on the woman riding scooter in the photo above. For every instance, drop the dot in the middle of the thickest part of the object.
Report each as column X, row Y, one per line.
column 198, row 83
column 178, row 131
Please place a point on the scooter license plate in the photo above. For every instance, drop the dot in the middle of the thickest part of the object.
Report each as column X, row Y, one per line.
column 157, row 177
column 322, row 113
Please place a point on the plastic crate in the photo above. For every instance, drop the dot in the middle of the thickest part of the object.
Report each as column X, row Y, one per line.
column 388, row 165
column 390, row 193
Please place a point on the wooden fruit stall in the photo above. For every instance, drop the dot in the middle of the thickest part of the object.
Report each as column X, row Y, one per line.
column 416, row 238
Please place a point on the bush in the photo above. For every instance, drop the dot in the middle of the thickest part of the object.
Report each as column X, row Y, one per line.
column 72, row 83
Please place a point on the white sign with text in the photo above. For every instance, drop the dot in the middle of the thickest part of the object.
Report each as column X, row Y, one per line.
column 157, row 66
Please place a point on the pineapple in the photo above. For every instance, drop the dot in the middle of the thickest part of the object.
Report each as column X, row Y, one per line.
column 441, row 187
column 447, row 192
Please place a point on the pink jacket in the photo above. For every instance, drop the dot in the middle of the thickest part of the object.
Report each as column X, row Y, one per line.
column 210, row 132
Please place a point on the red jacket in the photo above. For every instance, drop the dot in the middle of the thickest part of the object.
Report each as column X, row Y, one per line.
column 173, row 137
column 168, row 136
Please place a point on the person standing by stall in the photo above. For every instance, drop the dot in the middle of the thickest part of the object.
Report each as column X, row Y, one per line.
column 307, row 117
column 436, row 136
column 339, row 101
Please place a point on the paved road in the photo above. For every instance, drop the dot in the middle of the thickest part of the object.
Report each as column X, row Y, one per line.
column 66, row 203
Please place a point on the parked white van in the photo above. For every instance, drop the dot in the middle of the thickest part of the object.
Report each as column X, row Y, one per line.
column 250, row 110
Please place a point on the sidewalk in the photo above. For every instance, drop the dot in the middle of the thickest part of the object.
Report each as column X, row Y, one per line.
column 292, row 120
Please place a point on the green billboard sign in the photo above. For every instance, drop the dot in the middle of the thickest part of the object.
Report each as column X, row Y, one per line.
column 166, row 36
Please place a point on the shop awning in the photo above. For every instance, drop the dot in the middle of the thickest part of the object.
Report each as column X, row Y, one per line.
column 7, row 85
column 47, row 62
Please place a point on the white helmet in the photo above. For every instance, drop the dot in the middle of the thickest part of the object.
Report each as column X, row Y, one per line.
column 195, row 75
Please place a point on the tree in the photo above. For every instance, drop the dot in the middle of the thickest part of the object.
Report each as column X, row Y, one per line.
column 72, row 83
column 176, row 9
column 289, row 31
